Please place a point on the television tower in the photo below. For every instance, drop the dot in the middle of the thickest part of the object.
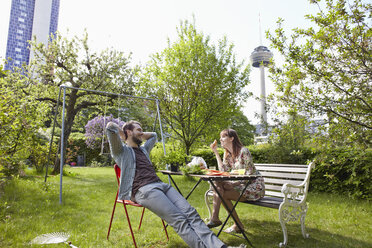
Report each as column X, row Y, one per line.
column 260, row 58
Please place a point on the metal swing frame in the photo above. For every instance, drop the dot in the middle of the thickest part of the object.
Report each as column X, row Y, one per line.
column 62, row 148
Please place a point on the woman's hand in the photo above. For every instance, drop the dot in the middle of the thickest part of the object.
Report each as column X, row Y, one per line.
column 214, row 146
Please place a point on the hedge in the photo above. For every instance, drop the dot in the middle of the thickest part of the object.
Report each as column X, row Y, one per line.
column 264, row 154
column 337, row 170
column 344, row 171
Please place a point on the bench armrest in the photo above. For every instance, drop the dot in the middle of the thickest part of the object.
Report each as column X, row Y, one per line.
column 293, row 192
column 297, row 192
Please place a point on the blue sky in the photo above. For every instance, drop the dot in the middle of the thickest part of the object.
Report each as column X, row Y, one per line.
column 143, row 26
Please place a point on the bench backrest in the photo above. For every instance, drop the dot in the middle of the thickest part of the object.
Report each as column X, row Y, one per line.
column 276, row 175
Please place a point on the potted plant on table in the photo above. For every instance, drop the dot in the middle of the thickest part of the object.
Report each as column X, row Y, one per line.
column 175, row 159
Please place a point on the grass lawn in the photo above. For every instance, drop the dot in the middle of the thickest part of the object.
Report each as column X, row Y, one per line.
column 28, row 208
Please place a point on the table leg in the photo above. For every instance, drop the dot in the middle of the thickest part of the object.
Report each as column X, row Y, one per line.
column 175, row 185
column 192, row 190
column 230, row 211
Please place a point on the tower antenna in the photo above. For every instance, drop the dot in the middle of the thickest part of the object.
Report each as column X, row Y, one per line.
column 260, row 30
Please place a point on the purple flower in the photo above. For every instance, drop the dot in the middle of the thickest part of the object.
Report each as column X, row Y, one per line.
column 94, row 130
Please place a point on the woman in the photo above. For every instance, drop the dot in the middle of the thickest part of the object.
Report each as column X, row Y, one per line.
column 235, row 157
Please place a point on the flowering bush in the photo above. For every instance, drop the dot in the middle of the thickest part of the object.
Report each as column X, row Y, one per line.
column 72, row 151
column 94, row 130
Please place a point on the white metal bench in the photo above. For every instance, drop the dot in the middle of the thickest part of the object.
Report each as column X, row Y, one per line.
column 286, row 187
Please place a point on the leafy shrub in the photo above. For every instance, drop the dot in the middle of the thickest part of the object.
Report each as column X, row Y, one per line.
column 10, row 166
column 95, row 163
column 337, row 170
column 72, row 151
column 38, row 156
column 157, row 156
column 76, row 146
column 268, row 153
column 343, row 170
column 176, row 157
column 173, row 156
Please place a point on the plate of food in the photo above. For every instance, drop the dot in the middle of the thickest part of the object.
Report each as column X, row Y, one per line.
column 210, row 172
column 237, row 172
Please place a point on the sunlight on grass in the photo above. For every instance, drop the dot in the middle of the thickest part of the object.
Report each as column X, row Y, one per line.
column 29, row 207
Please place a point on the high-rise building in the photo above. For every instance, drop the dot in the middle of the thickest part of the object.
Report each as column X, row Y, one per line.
column 29, row 18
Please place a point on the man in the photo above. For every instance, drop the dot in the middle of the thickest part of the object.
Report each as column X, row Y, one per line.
column 140, row 183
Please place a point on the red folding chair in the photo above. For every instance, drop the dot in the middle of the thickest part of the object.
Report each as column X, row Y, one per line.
column 125, row 204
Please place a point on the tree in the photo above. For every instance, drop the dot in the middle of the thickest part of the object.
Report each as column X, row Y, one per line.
column 291, row 134
column 2, row 72
column 71, row 61
column 20, row 119
column 328, row 68
column 245, row 130
column 199, row 85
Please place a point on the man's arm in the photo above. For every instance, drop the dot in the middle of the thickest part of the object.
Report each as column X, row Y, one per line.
column 147, row 135
column 113, row 135
column 151, row 139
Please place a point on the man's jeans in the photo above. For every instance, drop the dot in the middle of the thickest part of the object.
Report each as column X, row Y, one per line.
column 171, row 206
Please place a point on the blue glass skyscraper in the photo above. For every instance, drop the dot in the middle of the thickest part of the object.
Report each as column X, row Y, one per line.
column 29, row 18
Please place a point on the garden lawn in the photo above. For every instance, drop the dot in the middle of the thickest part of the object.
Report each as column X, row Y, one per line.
column 29, row 207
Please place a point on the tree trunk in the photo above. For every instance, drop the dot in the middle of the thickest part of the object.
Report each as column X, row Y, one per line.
column 187, row 147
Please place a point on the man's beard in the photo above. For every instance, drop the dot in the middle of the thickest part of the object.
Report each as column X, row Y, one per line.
column 137, row 141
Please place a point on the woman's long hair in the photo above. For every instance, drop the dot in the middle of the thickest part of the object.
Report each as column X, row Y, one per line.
column 236, row 143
